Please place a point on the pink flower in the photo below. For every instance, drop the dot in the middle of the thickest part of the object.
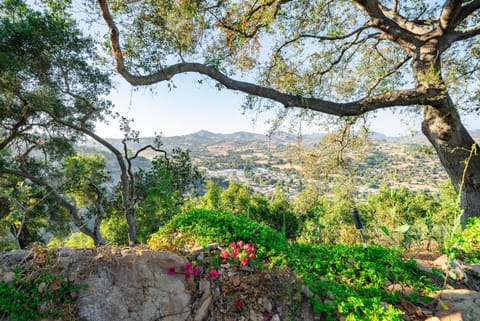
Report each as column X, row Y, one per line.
column 240, row 243
column 188, row 274
column 235, row 253
column 171, row 270
column 188, row 266
column 212, row 274
column 249, row 248
column 252, row 255
column 224, row 254
column 239, row 304
column 233, row 245
column 244, row 261
column 196, row 271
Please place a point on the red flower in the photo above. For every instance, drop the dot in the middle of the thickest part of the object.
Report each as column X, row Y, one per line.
column 233, row 245
column 239, row 304
column 224, row 254
column 212, row 274
column 240, row 243
column 244, row 261
column 235, row 253
column 252, row 255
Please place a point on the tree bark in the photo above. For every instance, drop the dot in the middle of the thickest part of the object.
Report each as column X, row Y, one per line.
column 458, row 153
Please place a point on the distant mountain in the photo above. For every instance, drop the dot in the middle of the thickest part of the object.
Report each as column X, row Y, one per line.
column 204, row 141
column 262, row 161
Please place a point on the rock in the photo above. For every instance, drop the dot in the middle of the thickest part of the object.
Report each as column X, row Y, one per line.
column 307, row 292
column 267, row 305
column 305, row 311
column 442, row 263
column 275, row 317
column 254, row 316
column 424, row 268
column 125, row 285
column 399, row 287
column 41, row 287
column 203, row 310
column 456, row 305
column 471, row 268
column 8, row 277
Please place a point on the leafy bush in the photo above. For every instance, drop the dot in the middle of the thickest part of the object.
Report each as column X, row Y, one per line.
column 347, row 281
column 204, row 226
column 75, row 240
column 467, row 242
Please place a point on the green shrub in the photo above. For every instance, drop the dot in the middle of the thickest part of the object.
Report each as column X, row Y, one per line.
column 205, row 226
column 351, row 282
column 75, row 240
column 467, row 242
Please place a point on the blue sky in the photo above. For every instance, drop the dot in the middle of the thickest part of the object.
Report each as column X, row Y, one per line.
column 192, row 107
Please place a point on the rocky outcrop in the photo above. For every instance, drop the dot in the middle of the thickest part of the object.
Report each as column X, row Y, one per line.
column 122, row 284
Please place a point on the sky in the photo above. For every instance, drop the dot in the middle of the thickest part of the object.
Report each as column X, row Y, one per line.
column 192, row 107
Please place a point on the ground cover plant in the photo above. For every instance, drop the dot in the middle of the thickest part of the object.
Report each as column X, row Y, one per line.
column 38, row 291
column 345, row 281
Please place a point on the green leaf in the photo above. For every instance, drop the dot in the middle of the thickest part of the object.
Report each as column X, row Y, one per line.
column 402, row 229
column 385, row 230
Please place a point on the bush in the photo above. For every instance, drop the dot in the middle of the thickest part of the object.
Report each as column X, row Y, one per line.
column 468, row 241
column 75, row 240
column 206, row 226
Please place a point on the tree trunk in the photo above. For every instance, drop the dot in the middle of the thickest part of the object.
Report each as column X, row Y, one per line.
column 458, row 153
column 132, row 231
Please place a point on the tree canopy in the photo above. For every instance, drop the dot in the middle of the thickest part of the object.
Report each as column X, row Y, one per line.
column 49, row 89
column 341, row 58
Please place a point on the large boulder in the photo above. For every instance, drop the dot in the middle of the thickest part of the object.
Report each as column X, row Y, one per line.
column 121, row 284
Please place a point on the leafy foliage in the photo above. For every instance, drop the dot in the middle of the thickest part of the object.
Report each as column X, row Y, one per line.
column 206, row 226
column 38, row 293
column 346, row 280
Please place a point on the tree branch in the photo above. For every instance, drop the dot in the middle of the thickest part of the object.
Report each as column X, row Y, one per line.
column 464, row 34
column 145, row 148
column 450, row 15
column 393, row 26
column 59, row 199
column 407, row 97
column 468, row 9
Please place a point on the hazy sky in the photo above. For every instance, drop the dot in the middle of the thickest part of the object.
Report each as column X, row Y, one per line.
column 192, row 107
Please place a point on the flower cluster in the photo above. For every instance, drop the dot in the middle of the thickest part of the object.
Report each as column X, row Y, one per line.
column 189, row 270
column 239, row 250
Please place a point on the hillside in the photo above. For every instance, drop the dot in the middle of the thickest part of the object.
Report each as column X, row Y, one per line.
column 262, row 162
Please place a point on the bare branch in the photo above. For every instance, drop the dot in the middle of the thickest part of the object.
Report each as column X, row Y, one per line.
column 464, row 34
column 402, row 22
column 145, row 148
column 393, row 26
column 468, row 9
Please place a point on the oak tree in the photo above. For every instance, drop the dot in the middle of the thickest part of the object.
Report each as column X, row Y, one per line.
column 343, row 58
